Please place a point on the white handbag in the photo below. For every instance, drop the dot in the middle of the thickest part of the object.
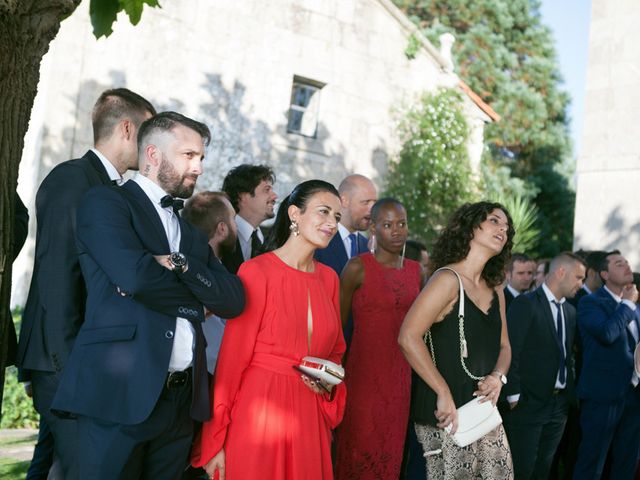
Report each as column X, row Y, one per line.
column 325, row 370
column 475, row 419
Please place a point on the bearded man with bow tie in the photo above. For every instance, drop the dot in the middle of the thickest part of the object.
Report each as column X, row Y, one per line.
column 137, row 377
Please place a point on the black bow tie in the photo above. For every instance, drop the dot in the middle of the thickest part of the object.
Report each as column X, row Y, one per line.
column 169, row 201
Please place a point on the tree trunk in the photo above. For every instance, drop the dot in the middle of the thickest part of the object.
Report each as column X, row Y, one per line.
column 26, row 29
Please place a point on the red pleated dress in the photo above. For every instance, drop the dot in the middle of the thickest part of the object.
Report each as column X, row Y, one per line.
column 269, row 423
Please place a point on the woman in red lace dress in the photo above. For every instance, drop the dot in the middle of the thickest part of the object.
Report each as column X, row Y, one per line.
column 268, row 421
column 378, row 290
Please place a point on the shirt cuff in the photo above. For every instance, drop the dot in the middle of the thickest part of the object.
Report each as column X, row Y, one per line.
column 513, row 398
column 629, row 304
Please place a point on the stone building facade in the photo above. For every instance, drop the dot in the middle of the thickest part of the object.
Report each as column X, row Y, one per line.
column 608, row 170
column 312, row 87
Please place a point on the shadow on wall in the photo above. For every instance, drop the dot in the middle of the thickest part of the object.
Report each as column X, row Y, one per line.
column 238, row 138
column 619, row 234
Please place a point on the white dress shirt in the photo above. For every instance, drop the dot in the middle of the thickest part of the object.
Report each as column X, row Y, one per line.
column 346, row 241
column 245, row 230
column 108, row 166
column 183, row 339
column 554, row 312
column 513, row 291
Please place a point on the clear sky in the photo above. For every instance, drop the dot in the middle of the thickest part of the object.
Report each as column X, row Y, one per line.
column 569, row 21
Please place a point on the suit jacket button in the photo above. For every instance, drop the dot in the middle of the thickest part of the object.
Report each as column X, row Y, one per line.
column 168, row 334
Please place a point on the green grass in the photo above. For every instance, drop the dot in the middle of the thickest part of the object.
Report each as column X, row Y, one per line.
column 12, row 469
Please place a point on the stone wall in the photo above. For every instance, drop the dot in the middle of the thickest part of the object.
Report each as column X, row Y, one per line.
column 231, row 65
column 607, row 213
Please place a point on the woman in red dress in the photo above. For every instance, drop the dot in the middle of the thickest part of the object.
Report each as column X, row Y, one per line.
column 268, row 421
column 378, row 290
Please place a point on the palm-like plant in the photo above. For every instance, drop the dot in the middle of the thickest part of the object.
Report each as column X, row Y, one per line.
column 524, row 215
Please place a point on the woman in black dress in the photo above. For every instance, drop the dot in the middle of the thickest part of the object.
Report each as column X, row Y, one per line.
column 476, row 244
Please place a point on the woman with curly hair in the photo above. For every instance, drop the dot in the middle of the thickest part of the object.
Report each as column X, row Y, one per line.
column 476, row 246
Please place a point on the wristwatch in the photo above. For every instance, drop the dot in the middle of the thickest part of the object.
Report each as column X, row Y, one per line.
column 179, row 262
column 501, row 376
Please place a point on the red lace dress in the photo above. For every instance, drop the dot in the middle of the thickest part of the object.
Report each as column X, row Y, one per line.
column 370, row 439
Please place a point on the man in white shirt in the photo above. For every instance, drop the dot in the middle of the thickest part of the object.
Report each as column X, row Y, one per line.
column 55, row 306
column 212, row 213
column 136, row 378
column 357, row 196
column 540, row 384
column 519, row 277
column 250, row 190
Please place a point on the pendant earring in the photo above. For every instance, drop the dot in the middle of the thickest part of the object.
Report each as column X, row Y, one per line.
column 373, row 244
column 402, row 256
column 294, row 228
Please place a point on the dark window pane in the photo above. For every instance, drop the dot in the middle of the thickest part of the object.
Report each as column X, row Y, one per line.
column 295, row 120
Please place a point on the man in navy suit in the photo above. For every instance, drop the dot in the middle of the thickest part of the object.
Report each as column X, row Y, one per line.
column 250, row 190
column 540, row 384
column 136, row 378
column 56, row 302
column 608, row 386
column 519, row 277
column 357, row 196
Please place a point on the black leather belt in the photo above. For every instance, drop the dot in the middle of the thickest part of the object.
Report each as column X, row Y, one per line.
column 177, row 379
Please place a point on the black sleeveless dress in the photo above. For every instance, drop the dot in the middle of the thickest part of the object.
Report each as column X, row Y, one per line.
column 482, row 332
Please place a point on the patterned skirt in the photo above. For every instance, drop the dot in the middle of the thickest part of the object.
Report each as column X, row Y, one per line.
column 488, row 458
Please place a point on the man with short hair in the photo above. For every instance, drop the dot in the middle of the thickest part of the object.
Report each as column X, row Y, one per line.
column 357, row 196
column 56, row 303
column 592, row 282
column 136, row 378
column 540, row 384
column 212, row 213
column 608, row 385
column 519, row 277
column 250, row 190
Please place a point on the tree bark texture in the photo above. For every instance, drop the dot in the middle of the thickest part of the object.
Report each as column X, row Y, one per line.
column 26, row 29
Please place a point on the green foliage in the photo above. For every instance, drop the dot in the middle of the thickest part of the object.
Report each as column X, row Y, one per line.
column 17, row 408
column 413, row 47
column 524, row 216
column 432, row 175
column 104, row 13
column 507, row 56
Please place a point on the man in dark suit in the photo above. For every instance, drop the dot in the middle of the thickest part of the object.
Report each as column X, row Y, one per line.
column 137, row 376
column 519, row 277
column 56, row 302
column 592, row 282
column 540, row 384
column 250, row 190
column 357, row 196
column 608, row 385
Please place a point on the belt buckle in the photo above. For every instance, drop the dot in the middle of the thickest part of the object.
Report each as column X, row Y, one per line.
column 177, row 379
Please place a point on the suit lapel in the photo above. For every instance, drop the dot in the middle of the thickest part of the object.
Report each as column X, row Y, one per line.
column 150, row 213
column 338, row 248
column 550, row 321
column 98, row 167
column 186, row 236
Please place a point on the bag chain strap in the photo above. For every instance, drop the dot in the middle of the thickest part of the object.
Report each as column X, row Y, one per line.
column 463, row 340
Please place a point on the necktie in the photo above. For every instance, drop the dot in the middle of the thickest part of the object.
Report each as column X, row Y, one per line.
column 115, row 183
column 200, row 392
column 562, row 377
column 169, row 201
column 256, row 244
column 353, row 237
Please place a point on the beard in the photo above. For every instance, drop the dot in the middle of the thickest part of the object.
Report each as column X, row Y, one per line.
column 172, row 182
column 229, row 243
